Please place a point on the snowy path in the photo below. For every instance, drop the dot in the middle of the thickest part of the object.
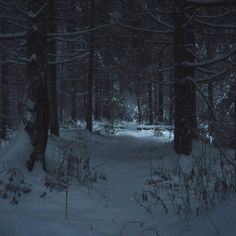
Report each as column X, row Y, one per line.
column 111, row 204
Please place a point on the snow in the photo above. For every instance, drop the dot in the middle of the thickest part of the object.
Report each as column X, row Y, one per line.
column 109, row 208
column 15, row 154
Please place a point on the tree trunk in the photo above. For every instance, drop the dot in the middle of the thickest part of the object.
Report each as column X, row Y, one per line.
column 61, row 101
column 139, row 110
column 190, row 74
column 210, row 93
column 235, row 118
column 73, row 102
column 150, row 103
column 107, row 92
column 210, row 44
column 3, row 96
column 97, row 105
column 3, row 103
column 171, row 107
column 89, row 117
column 160, row 103
column 235, row 112
column 160, row 98
column 155, row 104
column 185, row 98
column 37, row 107
column 52, row 80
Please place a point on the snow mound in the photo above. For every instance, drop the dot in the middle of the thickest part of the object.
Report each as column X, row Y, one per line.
column 17, row 151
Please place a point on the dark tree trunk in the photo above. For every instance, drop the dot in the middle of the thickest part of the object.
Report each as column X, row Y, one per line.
column 61, row 100
column 190, row 73
column 211, row 103
column 234, row 117
column 160, row 98
column 139, row 110
column 182, row 140
column 192, row 105
column 3, row 95
column 73, row 102
column 155, row 104
column 37, row 92
column 89, row 116
column 210, row 44
column 97, row 105
column 85, row 106
column 107, row 108
column 72, row 87
column 171, row 107
column 150, row 103
column 210, row 93
column 138, row 99
column 235, row 109
column 185, row 98
column 3, row 103
column 160, row 103
column 52, row 75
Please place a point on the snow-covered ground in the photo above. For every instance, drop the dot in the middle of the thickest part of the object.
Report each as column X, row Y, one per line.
column 110, row 207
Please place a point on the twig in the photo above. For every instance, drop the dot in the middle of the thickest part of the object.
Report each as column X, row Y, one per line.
column 212, row 222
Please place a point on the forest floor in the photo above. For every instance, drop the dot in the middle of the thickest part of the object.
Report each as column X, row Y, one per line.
column 109, row 208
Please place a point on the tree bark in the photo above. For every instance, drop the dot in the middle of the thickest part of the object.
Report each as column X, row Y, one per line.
column 37, row 105
column 107, row 92
column 210, row 42
column 235, row 118
column 185, row 97
column 171, row 106
column 160, row 103
column 3, row 95
column 89, row 117
column 52, row 80
column 150, row 103
column 155, row 104
column 98, row 99
column 71, row 27
column 3, row 103
column 73, row 102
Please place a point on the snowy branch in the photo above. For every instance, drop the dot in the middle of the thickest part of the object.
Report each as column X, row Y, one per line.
column 18, row 35
column 217, row 16
column 69, row 59
column 211, row 61
column 69, row 34
column 213, row 77
column 218, row 26
column 12, row 62
column 154, row 17
column 145, row 29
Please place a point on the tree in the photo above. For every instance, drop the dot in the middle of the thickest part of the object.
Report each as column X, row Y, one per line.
column 37, row 104
column 52, row 74
column 3, row 93
column 184, row 88
column 89, row 117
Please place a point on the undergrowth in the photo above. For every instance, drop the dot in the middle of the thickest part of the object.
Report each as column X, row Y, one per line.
column 208, row 181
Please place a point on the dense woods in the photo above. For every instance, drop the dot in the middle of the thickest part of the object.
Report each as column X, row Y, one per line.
column 117, row 117
column 165, row 62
